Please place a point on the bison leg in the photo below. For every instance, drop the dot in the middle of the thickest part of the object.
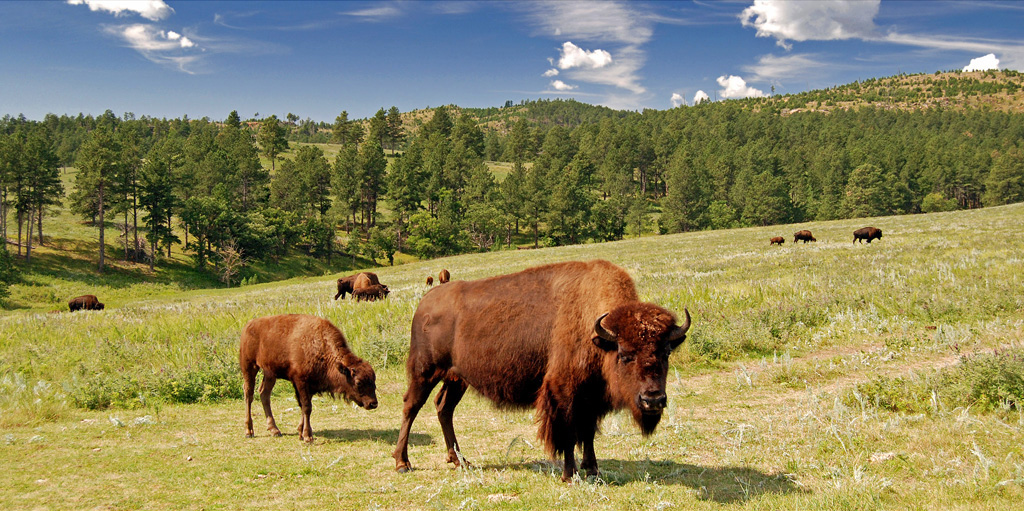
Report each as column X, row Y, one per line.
column 248, row 382
column 589, row 464
column 305, row 400
column 447, row 399
column 266, row 387
column 415, row 396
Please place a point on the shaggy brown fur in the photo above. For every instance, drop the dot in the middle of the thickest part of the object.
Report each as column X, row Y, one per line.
column 443, row 276
column 86, row 303
column 371, row 293
column 804, row 235
column 530, row 340
column 430, row 281
column 311, row 353
column 778, row 240
column 867, row 233
column 353, row 282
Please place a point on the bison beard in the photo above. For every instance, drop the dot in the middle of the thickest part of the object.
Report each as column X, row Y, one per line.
column 530, row 340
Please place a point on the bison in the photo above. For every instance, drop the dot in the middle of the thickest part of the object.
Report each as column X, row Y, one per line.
column 371, row 293
column 353, row 282
column 804, row 235
column 778, row 240
column 430, row 281
column 311, row 353
column 443, row 276
column 867, row 233
column 86, row 303
column 571, row 340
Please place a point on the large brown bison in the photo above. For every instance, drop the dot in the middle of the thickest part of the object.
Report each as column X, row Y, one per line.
column 356, row 281
column 311, row 353
column 867, row 233
column 371, row 293
column 777, row 240
column 443, row 276
column 85, row 303
column 570, row 340
column 803, row 235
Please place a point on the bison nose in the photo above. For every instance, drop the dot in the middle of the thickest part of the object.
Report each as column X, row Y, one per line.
column 653, row 401
column 371, row 405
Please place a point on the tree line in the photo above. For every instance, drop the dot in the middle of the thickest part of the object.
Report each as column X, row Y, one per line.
column 573, row 177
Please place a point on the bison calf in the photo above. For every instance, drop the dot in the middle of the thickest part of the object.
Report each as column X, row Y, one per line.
column 867, row 233
column 430, row 281
column 443, row 276
column 311, row 353
column 86, row 303
column 352, row 282
column 778, row 240
column 371, row 293
column 804, row 235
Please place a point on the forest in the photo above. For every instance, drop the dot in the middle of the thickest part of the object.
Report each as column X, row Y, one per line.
column 230, row 192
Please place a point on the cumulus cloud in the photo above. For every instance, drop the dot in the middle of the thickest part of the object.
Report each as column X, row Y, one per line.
column 150, row 9
column 677, row 99
column 983, row 63
column 550, row 72
column 573, row 56
column 734, row 87
column 811, row 20
column 700, row 97
column 562, row 86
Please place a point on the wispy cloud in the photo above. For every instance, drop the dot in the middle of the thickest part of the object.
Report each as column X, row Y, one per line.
column 379, row 13
column 159, row 46
column 154, row 10
column 775, row 68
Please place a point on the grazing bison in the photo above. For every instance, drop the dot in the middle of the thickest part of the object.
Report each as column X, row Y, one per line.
column 443, row 276
column 867, row 233
column 353, row 282
column 570, row 340
column 778, row 240
column 371, row 293
column 85, row 303
column 804, row 235
column 430, row 281
column 311, row 353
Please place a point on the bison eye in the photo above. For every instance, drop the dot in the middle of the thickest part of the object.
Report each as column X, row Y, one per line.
column 625, row 359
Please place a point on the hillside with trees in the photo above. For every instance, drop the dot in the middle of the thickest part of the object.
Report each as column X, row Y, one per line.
column 421, row 184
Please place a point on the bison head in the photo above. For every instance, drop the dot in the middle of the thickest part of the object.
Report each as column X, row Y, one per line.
column 360, row 382
column 638, row 340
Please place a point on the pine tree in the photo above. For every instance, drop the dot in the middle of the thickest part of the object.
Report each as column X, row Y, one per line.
column 272, row 139
column 1005, row 182
column 99, row 163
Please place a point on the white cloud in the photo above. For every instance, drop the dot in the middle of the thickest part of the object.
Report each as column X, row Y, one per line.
column 150, row 9
column 983, row 63
column 593, row 21
column 550, row 72
column 574, row 56
column 811, row 20
column 734, row 87
column 562, row 86
column 677, row 99
column 700, row 97
column 375, row 13
column 161, row 47
column 774, row 68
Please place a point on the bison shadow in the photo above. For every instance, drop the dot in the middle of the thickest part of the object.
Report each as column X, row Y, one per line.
column 389, row 436
column 723, row 485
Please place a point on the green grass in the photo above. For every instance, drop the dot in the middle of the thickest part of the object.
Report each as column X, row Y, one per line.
column 760, row 414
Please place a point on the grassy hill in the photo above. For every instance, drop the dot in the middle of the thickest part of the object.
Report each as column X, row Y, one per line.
column 826, row 375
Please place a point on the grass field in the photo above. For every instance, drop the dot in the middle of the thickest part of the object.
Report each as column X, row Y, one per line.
column 807, row 382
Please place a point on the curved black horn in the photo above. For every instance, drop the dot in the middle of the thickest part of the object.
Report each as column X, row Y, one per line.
column 602, row 333
column 679, row 332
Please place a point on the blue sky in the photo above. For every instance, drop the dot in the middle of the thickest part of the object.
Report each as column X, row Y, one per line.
column 166, row 58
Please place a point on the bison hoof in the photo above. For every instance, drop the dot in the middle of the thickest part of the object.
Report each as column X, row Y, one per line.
column 402, row 468
column 275, row 432
column 249, row 434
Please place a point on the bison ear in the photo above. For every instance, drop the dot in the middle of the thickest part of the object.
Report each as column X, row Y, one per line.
column 604, row 339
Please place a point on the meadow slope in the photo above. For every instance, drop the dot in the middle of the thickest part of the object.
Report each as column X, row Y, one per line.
column 767, row 407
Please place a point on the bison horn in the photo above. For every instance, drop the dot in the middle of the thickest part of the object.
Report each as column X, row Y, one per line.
column 679, row 333
column 604, row 340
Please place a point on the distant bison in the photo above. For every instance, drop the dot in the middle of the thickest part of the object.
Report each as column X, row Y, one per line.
column 867, row 233
column 311, row 353
column 371, row 293
column 85, row 303
column 778, row 240
column 570, row 340
column 353, row 282
column 430, row 281
column 443, row 276
column 803, row 235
